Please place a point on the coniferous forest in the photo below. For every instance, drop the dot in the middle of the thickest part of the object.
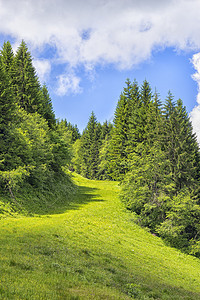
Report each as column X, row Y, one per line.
column 150, row 148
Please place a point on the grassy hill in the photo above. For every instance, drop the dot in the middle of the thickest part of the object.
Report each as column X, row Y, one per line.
column 89, row 248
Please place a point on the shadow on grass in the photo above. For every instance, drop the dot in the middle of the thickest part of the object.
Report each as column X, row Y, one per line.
column 47, row 203
column 83, row 196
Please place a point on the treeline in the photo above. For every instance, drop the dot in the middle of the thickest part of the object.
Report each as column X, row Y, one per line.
column 149, row 147
column 90, row 150
column 152, row 150
column 33, row 149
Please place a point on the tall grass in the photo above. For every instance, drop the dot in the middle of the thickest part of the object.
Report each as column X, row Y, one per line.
column 88, row 247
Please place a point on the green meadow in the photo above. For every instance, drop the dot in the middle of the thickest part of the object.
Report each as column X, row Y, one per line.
column 88, row 247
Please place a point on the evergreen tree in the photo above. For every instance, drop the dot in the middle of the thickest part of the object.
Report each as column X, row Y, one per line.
column 145, row 93
column 154, row 122
column 8, row 111
column 74, row 131
column 7, row 58
column 181, row 224
column 26, row 84
column 106, row 132
column 27, row 146
column 106, row 129
column 143, row 115
column 180, row 144
column 77, row 158
column 145, row 119
column 47, row 108
column 91, row 142
column 162, row 184
column 119, row 144
column 147, row 186
column 7, row 105
column 103, row 172
column 71, row 132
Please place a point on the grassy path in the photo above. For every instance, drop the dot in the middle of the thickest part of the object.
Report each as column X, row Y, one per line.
column 92, row 250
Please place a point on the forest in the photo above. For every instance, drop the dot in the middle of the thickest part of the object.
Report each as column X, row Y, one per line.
column 149, row 148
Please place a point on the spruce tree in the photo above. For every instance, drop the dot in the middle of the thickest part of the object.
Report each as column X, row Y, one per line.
column 180, row 144
column 154, row 122
column 119, row 144
column 7, row 105
column 106, row 129
column 47, row 108
column 91, row 141
column 106, row 133
column 8, row 111
column 7, row 58
column 145, row 116
column 74, row 131
column 26, row 84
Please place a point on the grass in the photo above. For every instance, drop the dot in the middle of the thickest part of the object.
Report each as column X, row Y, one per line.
column 89, row 248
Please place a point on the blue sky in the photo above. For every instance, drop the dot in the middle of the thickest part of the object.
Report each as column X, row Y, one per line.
column 85, row 50
column 165, row 71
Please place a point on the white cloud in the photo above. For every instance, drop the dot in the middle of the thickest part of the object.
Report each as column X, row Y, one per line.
column 43, row 68
column 68, row 83
column 123, row 33
column 195, row 114
column 91, row 32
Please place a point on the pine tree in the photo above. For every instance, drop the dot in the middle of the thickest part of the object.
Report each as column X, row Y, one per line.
column 120, row 143
column 74, row 131
column 91, row 141
column 47, row 108
column 180, row 144
column 69, row 131
column 7, row 106
column 145, row 187
column 133, row 119
column 8, row 111
column 154, row 122
column 106, row 129
column 106, row 133
column 144, row 113
column 30, row 148
column 7, row 58
column 26, row 84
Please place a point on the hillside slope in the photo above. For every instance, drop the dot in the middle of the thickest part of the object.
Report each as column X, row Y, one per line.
column 91, row 250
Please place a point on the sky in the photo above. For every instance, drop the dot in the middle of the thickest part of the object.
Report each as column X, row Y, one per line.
column 85, row 50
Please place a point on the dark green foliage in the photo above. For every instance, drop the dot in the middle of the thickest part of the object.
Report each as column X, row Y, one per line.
column 141, row 118
column 161, row 186
column 7, row 116
column 7, row 106
column 77, row 159
column 70, row 131
column 47, row 108
column 181, row 224
column 147, row 187
column 106, row 130
column 90, row 157
column 26, row 84
column 32, row 149
column 74, row 131
column 60, row 151
column 91, row 141
column 104, row 152
column 120, row 140
column 180, row 145
column 7, row 58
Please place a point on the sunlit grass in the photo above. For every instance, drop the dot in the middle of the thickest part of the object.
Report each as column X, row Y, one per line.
column 90, row 249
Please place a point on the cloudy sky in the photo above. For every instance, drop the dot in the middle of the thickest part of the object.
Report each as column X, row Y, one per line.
column 85, row 50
